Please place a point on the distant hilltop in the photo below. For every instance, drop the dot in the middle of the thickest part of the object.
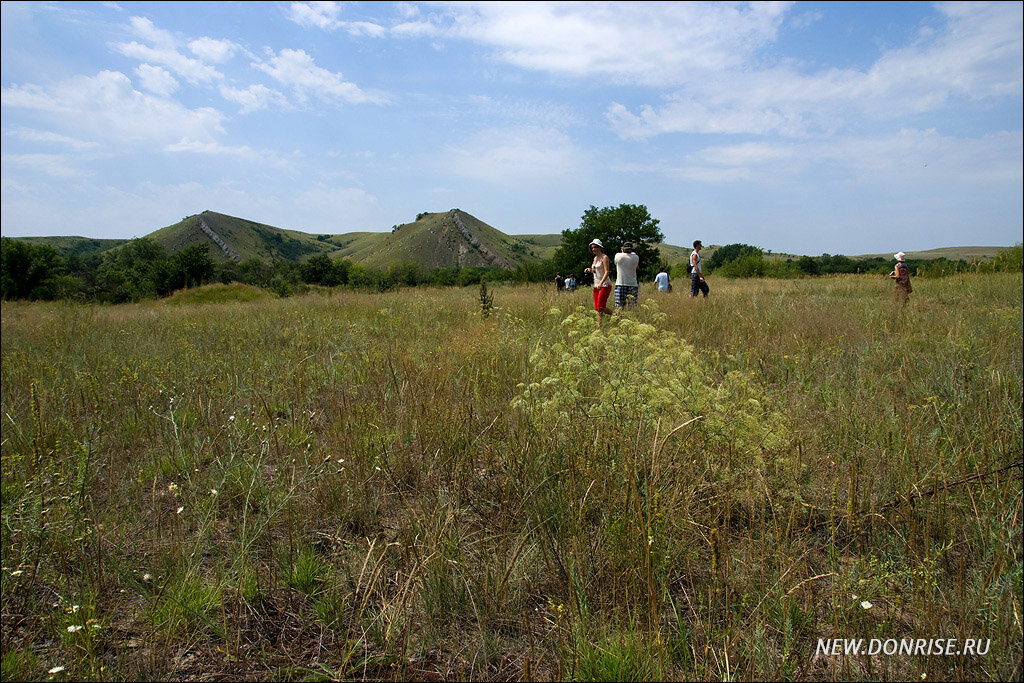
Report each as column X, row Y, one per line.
column 450, row 239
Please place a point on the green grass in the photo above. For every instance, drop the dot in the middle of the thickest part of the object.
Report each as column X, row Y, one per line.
column 394, row 486
column 218, row 294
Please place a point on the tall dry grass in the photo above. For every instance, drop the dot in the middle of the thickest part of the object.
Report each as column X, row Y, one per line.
column 396, row 486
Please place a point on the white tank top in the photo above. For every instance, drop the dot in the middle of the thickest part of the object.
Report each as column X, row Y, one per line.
column 598, row 269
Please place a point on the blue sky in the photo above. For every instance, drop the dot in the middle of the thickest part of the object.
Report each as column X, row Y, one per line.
column 798, row 127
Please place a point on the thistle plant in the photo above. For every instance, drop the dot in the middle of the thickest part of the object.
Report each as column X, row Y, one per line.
column 486, row 300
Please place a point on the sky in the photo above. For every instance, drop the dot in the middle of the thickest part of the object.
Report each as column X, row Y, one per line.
column 802, row 128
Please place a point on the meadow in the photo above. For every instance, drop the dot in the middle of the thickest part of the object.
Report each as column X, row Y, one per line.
column 412, row 485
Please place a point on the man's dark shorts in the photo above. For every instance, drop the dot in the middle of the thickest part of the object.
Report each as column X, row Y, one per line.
column 697, row 285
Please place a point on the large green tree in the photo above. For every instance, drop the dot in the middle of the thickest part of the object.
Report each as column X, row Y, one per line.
column 614, row 226
column 728, row 253
column 135, row 270
column 189, row 267
column 29, row 271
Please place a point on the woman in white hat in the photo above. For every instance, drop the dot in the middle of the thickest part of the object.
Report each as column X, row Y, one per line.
column 901, row 274
column 602, row 277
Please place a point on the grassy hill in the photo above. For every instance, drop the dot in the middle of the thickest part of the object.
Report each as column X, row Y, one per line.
column 238, row 239
column 434, row 240
column 75, row 246
column 951, row 253
column 438, row 240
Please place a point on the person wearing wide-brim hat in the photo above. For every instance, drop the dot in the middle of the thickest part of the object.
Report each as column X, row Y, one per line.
column 601, row 271
column 901, row 274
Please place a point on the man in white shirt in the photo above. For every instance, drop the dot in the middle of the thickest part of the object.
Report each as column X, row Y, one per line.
column 664, row 280
column 627, row 287
column 697, row 283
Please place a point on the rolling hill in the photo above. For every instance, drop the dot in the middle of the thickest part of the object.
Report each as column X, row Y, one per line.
column 435, row 240
column 75, row 246
column 438, row 240
column 238, row 239
column 450, row 239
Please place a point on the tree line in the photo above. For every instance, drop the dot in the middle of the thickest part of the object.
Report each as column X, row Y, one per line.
column 142, row 269
column 744, row 261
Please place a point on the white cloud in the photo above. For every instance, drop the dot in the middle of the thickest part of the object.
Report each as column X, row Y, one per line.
column 212, row 50
column 243, row 152
column 254, row 98
column 906, row 158
column 415, row 29
column 192, row 70
column 314, row 14
column 325, row 15
column 156, row 79
column 162, row 49
column 295, row 69
column 145, row 29
column 105, row 108
column 638, row 42
column 59, row 166
column 517, row 156
column 977, row 56
column 49, row 137
column 695, row 116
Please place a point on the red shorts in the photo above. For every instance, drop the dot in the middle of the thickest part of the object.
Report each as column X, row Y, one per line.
column 601, row 295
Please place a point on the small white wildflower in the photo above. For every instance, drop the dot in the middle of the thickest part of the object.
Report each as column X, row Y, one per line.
column 147, row 577
column 172, row 487
column 377, row 468
column 213, row 492
column 74, row 629
column 55, row 670
column 232, row 418
column 866, row 605
column 181, row 509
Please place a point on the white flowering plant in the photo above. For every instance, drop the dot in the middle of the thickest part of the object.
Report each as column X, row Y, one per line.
column 630, row 376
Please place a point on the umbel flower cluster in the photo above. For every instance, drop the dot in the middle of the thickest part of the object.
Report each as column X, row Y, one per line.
column 626, row 376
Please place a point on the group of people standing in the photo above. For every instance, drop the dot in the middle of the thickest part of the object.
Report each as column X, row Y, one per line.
column 627, row 287
column 565, row 284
